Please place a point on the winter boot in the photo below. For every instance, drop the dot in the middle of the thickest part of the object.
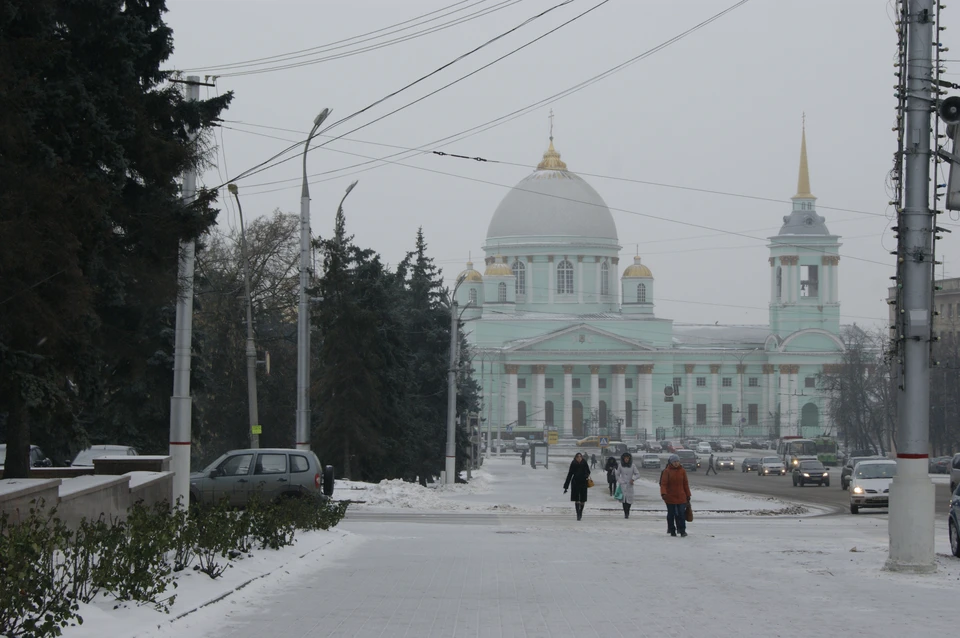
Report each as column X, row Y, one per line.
column 626, row 509
column 579, row 511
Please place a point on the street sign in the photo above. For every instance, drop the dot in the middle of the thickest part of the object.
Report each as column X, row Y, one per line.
column 604, row 441
column 668, row 399
column 553, row 437
column 256, row 429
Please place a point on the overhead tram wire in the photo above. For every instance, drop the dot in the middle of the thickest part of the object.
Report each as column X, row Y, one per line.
column 445, row 86
column 328, row 45
column 266, row 164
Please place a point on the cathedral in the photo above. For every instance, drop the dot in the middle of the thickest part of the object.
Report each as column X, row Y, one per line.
column 559, row 347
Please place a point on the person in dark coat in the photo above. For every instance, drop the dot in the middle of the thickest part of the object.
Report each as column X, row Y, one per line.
column 611, row 468
column 711, row 466
column 593, row 461
column 577, row 481
column 523, row 457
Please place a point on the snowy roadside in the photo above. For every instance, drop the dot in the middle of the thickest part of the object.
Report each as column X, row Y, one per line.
column 196, row 591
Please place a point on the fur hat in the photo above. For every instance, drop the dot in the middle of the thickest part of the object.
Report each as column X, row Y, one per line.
column 673, row 457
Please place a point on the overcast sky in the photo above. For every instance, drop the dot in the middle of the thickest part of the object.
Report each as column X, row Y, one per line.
column 718, row 110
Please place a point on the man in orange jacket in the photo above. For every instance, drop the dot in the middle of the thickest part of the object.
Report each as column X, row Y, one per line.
column 675, row 491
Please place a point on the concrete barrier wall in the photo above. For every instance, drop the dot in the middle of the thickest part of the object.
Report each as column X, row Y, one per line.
column 90, row 497
column 18, row 496
column 151, row 487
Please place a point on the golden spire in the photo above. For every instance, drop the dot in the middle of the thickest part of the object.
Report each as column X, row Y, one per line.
column 803, row 180
column 551, row 158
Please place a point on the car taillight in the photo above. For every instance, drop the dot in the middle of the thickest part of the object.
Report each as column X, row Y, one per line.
column 316, row 481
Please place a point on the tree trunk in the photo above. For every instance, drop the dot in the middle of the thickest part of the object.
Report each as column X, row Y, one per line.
column 346, row 460
column 17, row 464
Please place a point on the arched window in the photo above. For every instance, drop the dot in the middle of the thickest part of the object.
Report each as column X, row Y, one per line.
column 565, row 278
column 629, row 414
column 502, row 292
column 605, row 279
column 810, row 416
column 548, row 413
column 473, row 296
column 520, row 272
column 779, row 282
column 603, row 414
column 521, row 412
column 641, row 293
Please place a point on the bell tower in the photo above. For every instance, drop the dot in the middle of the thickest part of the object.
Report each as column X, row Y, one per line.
column 804, row 258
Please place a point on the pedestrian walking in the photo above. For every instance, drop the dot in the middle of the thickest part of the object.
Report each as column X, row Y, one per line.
column 710, row 466
column 626, row 474
column 675, row 491
column 593, row 461
column 523, row 457
column 578, row 478
column 611, row 470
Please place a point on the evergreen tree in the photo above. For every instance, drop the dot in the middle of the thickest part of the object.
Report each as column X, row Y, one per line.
column 92, row 142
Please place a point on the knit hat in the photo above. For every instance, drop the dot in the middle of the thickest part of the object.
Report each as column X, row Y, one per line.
column 673, row 457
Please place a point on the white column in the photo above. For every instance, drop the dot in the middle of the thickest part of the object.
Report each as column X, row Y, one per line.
column 614, row 297
column 540, row 395
column 795, row 281
column 795, row 400
column 620, row 392
column 765, row 401
column 784, row 397
column 594, row 392
column 739, row 412
column 689, row 412
column 645, row 398
column 511, row 406
column 551, row 280
column 596, row 294
column 834, row 282
column 713, row 417
column 567, row 401
column 580, row 279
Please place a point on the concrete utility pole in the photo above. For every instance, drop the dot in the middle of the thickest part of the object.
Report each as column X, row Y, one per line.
column 450, row 466
column 251, row 346
column 181, row 406
column 912, row 493
column 303, row 308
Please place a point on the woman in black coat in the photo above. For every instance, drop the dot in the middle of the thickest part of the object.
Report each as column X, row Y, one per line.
column 577, row 481
column 611, row 468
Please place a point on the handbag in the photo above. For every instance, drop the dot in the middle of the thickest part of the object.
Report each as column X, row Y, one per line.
column 689, row 515
column 618, row 494
column 589, row 482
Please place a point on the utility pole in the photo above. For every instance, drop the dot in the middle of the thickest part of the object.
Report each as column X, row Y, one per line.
column 181, row 406
column 450, row 465
column 911, row 520
column 251, row 346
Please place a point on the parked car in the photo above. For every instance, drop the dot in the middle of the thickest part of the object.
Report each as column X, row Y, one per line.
column 954, row 472
column 870, row 483
column 953, row 524
column 37, row 457
column 669, row 446
column 811, row 472
column 85, row 458
column 770, row 465
column 848, row 469
column 725, row 463
column 704, row 448
column 273, row 473
column 650, row 461
column 654, row 446
column 590, row 441
column 688, row 460
column 750, row 464
column 725, row 446
column 715, row 446
column 940, row 465
column 521, row 444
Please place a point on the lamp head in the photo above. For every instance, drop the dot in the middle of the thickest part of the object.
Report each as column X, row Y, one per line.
column 232, row 188
column 321, row 117
column 350, row 187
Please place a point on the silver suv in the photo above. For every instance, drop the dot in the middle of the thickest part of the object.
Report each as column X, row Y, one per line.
column 272, row 473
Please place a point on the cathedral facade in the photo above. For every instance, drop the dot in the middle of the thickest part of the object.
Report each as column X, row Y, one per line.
column 563, row 340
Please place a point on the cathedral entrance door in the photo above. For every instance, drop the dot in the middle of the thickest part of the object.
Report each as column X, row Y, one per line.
column 577, row 419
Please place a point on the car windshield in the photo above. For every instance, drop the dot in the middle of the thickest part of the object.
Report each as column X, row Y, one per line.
column 770, row 459
column 685, row 453
column 876, row 470
column 651, row 456
column 726, row 458
column 3, row 453
column 751, row 459
column 812, row 467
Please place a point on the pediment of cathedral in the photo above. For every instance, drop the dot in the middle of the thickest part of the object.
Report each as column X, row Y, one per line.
column 580, row 337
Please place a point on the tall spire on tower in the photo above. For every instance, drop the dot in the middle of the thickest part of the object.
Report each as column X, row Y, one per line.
column 803, row 180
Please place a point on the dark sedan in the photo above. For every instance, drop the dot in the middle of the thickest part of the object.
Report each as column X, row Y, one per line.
column 725, row 463
column 811, row 472
column 954, row 523
column 750, row 464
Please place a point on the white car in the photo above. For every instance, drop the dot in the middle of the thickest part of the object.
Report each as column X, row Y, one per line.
column 870, row 484
column 704, row 448
column 770, row 465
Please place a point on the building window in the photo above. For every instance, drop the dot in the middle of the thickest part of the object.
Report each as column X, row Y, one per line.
column 701, row 414
column 565, row 278
column 521, row 383
column 641, row 293
column 521, row 412
column 548, row 413
column 752, row 414
column 950, row 310
column 727, row 382
column 628, row 383
column 727, row 414
column 605, row 279
column 520, row 272
column 502, row 292
column 779, row 282
column 677, row 414
column 603, row 414
column 576, row 382
column 472, row 297
column 548, row 383
column 701, row 382
column 677, row 382
column 629, row 414
column 809, row 281
column 810, row 382
column 603, row 383
column 753, row 382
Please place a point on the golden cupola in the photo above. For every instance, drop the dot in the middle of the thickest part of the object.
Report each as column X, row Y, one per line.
column 470, row 275
column 637, row 270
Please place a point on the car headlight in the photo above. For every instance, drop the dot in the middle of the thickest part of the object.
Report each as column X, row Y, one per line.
column 805, row 475
column 796, row 462
column 826, row 473
column 858, row 490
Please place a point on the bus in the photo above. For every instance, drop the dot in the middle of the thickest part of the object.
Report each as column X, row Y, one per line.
column 827, row 450
column 793, row 449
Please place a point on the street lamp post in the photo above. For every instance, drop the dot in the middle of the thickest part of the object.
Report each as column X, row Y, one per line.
column 303, row 308
column 450, row 463
column 251, row 347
